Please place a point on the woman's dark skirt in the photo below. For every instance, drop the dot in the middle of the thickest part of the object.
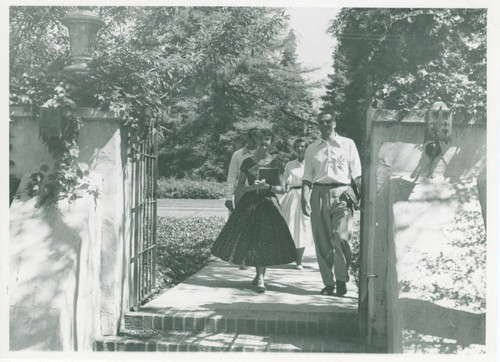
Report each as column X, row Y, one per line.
column 256, row 233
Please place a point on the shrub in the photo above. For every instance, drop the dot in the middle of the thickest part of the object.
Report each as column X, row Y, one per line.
column 13, row 186
column 459, row 270
column 172, row 188
column 184, row 246
column 356, row 252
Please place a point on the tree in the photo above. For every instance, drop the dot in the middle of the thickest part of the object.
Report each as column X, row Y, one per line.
column 202, row 74
column 255, row 89
column 415, row 57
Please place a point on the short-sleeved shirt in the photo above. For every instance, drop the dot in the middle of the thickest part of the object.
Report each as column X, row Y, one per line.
column 332, row 162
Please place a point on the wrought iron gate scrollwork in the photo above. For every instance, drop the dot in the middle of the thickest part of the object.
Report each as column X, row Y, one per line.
column 143, row 245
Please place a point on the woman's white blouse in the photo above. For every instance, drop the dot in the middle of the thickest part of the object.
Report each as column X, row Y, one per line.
column 294, row 170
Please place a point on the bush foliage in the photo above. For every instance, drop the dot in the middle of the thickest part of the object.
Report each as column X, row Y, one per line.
column 172, row 188
column 184, row 246
column 13, row 186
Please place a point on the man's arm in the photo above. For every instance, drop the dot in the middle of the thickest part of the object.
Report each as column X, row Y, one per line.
column 357, row 181
column 355, row 164
column 305, row 200
column 231, row 181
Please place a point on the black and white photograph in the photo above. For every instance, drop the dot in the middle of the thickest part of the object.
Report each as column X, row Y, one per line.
column 301, row 181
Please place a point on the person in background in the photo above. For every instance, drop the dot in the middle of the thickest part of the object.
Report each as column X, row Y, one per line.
column 235, row 164
column 298, row 223
column 331, row 164
column 234, row 170
column 256, row 234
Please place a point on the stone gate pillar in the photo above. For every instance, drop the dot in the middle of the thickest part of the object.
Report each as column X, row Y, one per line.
column 69, row 270
column 419, row 193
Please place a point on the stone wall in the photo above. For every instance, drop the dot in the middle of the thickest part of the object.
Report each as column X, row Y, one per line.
column 27, row 153
column 54, row 274
column 415, row 199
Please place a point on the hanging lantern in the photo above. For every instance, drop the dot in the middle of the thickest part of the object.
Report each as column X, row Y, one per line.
column 82, row 25
column 438, row 128
column 438, row 123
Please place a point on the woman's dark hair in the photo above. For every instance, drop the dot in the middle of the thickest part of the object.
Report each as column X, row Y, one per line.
column 252, row 132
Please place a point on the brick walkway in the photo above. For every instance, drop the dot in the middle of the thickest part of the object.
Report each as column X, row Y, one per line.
column 217, row 309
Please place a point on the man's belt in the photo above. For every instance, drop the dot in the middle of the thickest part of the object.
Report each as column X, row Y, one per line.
column 331, row 185
column 295, row 187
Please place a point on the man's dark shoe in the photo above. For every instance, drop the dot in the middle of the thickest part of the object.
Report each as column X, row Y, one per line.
column 341, row 289
column 328, row 290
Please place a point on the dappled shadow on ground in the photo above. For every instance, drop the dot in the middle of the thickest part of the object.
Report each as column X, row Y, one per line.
column 224, row 285
column 244, row 308
column 282, row 279
column 431, row 319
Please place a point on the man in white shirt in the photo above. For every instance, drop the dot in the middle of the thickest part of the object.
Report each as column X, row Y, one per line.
column 330, row 164
column 234, row 166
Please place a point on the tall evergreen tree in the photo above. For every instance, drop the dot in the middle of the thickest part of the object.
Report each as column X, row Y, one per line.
column 415, row 56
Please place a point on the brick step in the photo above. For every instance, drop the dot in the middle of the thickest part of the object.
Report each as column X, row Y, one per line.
column 247, row 322
column 176, row 341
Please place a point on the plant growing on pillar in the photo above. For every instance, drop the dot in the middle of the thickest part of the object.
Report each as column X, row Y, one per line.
column 200, row 73
column 59, row 130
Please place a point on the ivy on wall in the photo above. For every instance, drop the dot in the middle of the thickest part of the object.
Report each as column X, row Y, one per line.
column 59, row 129
column 203, row 75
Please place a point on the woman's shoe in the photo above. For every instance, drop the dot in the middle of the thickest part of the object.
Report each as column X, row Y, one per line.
column 261, row 287
column 328, row 290
column 299, row 267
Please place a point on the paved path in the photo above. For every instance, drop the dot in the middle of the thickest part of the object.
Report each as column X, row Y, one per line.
column 188, row 207
column 218, row 308
column 223, row 286
column 222, row 283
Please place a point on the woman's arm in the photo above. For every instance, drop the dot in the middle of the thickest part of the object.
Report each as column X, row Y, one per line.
column 284, row 180
column 242, row 188
column 278, row 189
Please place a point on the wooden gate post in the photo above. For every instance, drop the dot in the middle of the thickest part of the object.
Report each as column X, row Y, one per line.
column 365, row 242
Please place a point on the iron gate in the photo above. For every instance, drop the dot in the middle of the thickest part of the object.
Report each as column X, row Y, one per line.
column 143, row 245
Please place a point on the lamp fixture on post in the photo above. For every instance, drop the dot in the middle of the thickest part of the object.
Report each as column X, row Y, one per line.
column 82, row 25
column 438, row 128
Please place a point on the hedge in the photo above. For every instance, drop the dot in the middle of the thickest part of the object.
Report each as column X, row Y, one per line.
column 172, row 188
column 183, row 246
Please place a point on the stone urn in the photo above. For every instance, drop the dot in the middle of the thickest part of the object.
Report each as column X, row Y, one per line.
column 82, row 25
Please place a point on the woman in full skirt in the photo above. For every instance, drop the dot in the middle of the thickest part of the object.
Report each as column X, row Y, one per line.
column 256, row 234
